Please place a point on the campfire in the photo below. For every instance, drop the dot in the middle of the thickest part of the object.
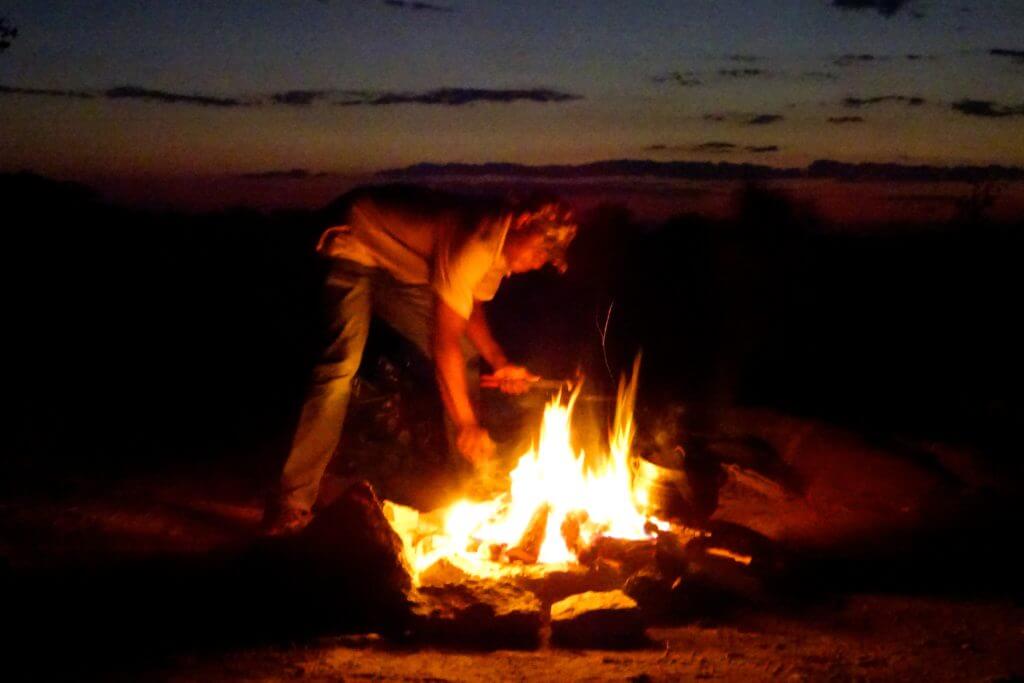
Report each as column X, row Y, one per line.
column 560, row 503
column 574, row 545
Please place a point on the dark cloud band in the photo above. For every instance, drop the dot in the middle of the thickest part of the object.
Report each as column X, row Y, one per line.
column 987, row 109
column 858, row 102
column 886, row 8
column 74, row 94
column 451, row 97
column 1015, row 55
column 134, row 92
column 686, row 79
column 419, row 6
column 290, row 174
column 457, row 97
column 764, row 119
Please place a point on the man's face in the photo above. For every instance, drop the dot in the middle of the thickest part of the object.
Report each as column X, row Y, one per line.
column 525, row 252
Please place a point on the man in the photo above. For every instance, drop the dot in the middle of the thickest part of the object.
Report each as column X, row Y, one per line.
column 423, row 262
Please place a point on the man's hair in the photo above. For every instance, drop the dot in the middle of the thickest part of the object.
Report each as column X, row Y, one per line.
column 550, row 217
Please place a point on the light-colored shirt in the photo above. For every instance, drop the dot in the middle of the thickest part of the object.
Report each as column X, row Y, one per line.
column 461, row 261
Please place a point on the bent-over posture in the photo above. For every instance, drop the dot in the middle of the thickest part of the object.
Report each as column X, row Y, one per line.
column 423, row 262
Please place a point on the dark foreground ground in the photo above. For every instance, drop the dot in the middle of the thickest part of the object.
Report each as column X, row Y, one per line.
column 907, row 570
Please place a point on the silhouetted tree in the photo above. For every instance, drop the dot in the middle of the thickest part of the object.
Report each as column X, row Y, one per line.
column 7, row 34
column 973, row 209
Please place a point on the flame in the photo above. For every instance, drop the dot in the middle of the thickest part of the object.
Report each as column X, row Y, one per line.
column 551, row 486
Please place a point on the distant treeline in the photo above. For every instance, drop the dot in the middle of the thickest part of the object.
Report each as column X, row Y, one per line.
column 705, row 170
column 137, row 335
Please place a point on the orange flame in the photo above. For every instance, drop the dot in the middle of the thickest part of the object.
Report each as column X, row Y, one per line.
column 474, row 536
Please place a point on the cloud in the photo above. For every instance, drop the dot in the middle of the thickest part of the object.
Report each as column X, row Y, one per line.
column 714, row 146
column 418, row 6
column 858, row 102
column 456, row 97
column 764, row 119
column 687, row 79
column 886, row 8
column 742, row 119
column 854, row 59
column 1016, row 55
column 987, row 109
column 840, row 120
column 299, row 98
column 290, row 174
column 134, row 92
column 820, row 75
column 742, row 73
column 451, row 97
column 7, row 34
column 74, row 94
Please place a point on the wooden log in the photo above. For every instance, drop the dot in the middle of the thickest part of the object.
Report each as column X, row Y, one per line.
column 528, row 549
column 627, row 555
column 571, row 530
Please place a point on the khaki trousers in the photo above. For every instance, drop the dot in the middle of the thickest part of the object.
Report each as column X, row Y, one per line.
column 353, row 295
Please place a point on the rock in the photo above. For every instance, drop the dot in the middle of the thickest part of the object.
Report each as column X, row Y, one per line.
column 608, row 619
column 348, row 559
column 651, row 591
column 441, row 573
column 476, row 613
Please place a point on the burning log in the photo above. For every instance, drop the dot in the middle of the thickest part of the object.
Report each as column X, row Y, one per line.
column 627, row 556
column 528, row 549
column 571, row 530
column 552, row 586
column 610, row 619
column 715, row 571
column 476, row 613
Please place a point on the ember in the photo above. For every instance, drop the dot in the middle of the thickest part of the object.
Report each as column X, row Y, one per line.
column 559, row 506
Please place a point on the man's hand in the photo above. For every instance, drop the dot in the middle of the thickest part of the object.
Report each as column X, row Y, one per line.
column 512, row 379
column 474, row 444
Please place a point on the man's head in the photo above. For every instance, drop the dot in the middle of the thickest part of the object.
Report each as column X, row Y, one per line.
column 542, row 229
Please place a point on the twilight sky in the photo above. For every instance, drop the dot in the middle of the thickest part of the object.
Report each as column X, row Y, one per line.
column 155, row 88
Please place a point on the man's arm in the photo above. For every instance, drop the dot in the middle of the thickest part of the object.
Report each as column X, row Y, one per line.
column 479, row 333
column 512, row 379
column 472, row 440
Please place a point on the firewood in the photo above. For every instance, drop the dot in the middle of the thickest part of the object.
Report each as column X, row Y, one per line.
column 528, row 549
column 571, row 530
column 628, row 555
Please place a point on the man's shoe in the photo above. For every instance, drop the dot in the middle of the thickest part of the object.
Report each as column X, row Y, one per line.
column 287, row 522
